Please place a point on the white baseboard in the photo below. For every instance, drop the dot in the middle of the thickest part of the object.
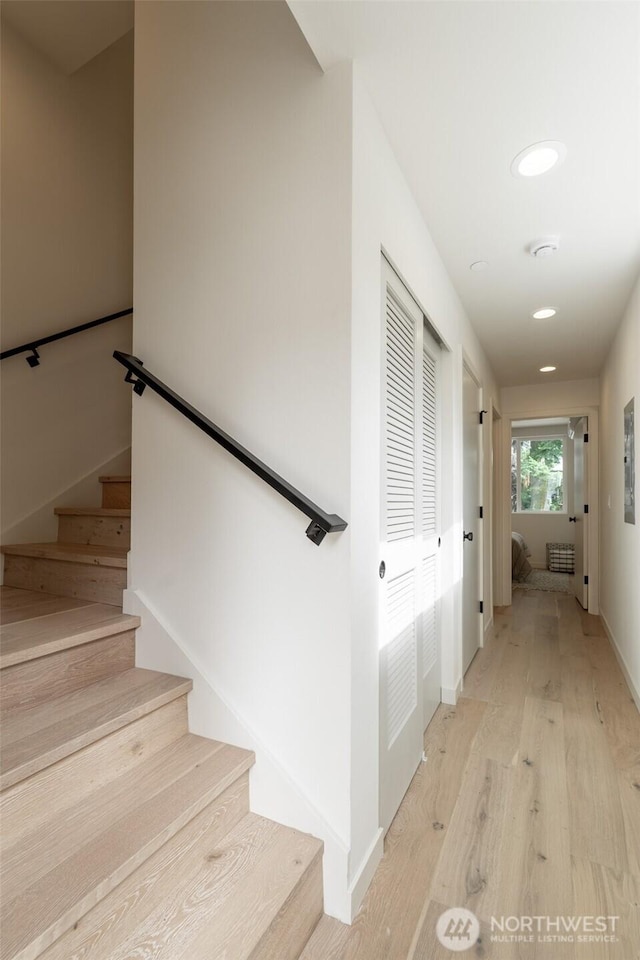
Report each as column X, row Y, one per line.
column 364, row 875
column 488, row 632
column 537, row 564
column 635, row 693
column 450, row 695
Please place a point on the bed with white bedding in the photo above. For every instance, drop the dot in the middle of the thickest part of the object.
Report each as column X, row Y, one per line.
column 520, row 566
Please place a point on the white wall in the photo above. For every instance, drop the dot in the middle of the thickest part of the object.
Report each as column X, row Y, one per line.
column 620, row 541
column 67, row 157
column 385, row 216
column 552, row 399
column 540, row 529
column 243, row 305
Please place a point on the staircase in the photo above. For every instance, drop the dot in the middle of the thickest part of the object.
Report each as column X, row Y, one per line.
column 124, row 835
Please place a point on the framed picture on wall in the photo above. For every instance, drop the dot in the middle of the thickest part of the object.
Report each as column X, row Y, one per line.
column 629, row 464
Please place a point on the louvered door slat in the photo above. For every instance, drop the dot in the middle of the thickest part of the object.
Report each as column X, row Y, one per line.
column 400, row 423
column 429, row 438
column 401, row 654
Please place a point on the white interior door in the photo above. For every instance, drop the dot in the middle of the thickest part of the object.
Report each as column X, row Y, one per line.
column 471, row 571
column 409, row 638
column 580, row 498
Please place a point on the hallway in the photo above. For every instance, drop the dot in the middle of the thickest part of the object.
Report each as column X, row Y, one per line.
column 528, row 805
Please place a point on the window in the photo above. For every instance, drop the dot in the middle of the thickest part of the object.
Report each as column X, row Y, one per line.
column 538, row 475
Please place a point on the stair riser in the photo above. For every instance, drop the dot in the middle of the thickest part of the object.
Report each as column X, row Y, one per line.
column 26, row 684
column 287, row 935
column 116, row 495
column 100, row 531
column 50, row 792
column 20, row 760
column 100, row 933
column 88, row 875
column 82, row 581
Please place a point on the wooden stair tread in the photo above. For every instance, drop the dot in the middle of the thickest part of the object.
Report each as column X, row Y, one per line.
column 328, row 941
column 71, row 553
column 35, row 737
column 54, row 875
column 40, row 636
column 17, row 604
column 92, row 512
column 115, row 479
column 12, row 597
column 213, row 897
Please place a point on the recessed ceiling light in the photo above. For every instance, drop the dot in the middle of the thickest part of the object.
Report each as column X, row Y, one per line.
column 547, row 369
column 544, row 314
column 538, row 158
column 478, row 266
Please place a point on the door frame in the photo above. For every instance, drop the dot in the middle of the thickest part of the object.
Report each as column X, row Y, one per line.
column 582, row 530
column 475, row 376
column 496, row 518
column 503, row 594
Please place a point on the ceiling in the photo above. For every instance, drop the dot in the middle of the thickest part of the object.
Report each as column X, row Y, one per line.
column 69, row 32
column 461, row 88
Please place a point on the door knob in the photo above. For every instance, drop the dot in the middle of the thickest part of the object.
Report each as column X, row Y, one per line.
column 468, row 536
column 573, row 519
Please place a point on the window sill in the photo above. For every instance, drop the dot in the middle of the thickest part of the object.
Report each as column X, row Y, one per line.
column 539, row 513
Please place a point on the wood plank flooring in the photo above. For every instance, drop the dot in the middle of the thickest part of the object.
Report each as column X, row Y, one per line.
column 528, row 805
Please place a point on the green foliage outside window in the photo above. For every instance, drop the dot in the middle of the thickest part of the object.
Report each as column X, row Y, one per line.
column 537, row 468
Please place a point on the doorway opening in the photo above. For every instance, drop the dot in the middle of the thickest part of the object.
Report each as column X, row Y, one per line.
column 552, row 505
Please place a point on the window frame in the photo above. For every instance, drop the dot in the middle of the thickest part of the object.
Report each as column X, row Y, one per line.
column 519, row 512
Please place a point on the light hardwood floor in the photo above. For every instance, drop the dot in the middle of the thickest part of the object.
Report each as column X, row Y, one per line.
column 528, row 804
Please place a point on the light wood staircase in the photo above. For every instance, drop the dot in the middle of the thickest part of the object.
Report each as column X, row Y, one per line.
column 123, row 835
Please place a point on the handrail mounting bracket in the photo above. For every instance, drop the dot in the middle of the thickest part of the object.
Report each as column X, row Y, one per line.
column 139, row 386
column 315, row 533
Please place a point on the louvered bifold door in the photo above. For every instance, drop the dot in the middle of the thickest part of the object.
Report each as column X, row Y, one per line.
column 401, row 711
column 429, row 514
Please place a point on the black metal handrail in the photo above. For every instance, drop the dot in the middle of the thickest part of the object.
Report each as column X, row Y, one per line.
column 321, row 522
column 32, row 346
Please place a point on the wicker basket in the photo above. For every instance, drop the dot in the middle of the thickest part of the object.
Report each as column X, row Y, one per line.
column 561, row 557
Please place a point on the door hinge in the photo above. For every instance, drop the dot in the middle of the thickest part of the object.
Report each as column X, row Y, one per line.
column 482, row 413
column 586, row 508
column 586, row 438
column 586, row 581
column 481, row 513
column 482, row 606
